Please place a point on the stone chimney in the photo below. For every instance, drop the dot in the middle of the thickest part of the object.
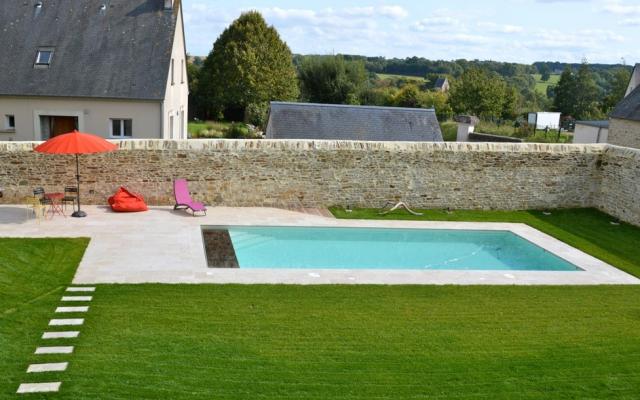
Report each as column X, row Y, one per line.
column 466, row 125
column 168, row 4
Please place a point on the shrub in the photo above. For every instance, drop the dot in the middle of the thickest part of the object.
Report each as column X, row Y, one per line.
column 237, row 130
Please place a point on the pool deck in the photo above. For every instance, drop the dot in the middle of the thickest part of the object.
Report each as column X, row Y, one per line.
column 165, row 246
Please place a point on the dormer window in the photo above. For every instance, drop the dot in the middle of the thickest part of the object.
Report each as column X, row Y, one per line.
column 43, row 57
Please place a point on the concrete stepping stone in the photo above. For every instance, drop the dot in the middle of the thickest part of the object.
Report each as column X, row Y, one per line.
column 39, row 387
column 81, row 289
column 54, row 350
column 72, row 309
column 60, row 335
column 66, row 322
column 49, row 367
column 77, row 298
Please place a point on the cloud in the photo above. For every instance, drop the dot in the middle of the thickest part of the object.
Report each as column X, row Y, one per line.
column 619, row 7
column 436, row 23
column 498, row 28
column 630, row 22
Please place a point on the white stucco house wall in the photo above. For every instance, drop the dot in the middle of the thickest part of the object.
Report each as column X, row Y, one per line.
column 591, row 132
column 114, row 68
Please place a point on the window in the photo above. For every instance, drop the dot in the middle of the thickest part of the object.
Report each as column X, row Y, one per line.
column 171, row 127
column 10, row 122
column 121, row 128
column 43, row 57
column 172, row 72
column 182, row 71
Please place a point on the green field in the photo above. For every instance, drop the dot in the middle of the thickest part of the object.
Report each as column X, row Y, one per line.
column 406, row 77
column 333, row 342
column 541, row 87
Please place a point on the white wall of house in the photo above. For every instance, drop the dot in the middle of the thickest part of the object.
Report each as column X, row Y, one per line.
column 176, row 103
column 634, row 81
column 94, row 116
column 590, row 134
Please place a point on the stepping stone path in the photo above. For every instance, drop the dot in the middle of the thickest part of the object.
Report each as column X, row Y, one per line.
column 34, row 369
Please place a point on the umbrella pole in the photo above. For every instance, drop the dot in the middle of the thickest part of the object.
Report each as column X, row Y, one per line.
column 79, row 213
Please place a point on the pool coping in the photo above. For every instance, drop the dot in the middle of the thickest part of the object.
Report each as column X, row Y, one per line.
column 593, row 271
column 166, row 246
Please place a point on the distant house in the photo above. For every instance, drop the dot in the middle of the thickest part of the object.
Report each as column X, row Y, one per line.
column 591, row 132
column 116, row 68
column 442, row 85
column 624, row 127
column 345, row 122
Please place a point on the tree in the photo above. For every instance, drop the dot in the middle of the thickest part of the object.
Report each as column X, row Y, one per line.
column 577, row 94
column 249, row 65
column 482, row 94
column 545, row 72
column 564, row 91
column 619, row 82
column 332, row 80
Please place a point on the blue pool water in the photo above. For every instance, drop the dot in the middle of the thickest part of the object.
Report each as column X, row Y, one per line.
column 366, row 248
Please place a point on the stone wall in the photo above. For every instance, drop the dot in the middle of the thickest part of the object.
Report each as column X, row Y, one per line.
column 620, row 188
column 322, row 173
column 624, row 132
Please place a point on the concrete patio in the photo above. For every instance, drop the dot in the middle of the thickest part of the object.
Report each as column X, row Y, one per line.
column 165, row 246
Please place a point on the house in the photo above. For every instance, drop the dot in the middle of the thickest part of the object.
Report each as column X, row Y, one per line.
column 591, row 132
column 115, row 68
column 544, row 120
column 442, row 85
column 346, row 122
column 624, row 126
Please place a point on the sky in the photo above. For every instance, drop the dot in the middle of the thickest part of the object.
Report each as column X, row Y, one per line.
column 600, row 31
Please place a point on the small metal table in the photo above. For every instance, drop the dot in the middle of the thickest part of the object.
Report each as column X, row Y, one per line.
column 56, row 204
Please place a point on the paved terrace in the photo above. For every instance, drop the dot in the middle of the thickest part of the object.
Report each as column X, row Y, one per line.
column 164, row 246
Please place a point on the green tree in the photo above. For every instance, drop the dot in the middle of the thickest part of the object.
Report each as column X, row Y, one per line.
column 577, row 94
column 332, row 79
column 564, row 91
column 249, row 65
column 619, row 82
column 587, row 94
column 480, row 93
column 545, row 72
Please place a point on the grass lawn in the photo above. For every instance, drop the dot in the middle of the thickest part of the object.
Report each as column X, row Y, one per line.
column 418, row 79
column 541, row 86
column 449, row 130
column 330, row 342
column 586, row 229
column 33, row 275
column 207, row 129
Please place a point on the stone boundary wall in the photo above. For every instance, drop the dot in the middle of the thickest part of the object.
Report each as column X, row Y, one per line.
column 323, row 173
column 620, row 187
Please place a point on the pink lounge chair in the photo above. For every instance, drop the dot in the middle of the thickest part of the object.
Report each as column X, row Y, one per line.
column 184, row 200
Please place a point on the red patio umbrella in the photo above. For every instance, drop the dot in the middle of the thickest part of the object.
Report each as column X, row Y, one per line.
column 76, row 143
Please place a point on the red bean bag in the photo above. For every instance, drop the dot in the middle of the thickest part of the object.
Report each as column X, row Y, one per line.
column 126, row 201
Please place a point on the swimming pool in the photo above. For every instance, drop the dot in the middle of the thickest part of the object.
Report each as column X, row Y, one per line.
column 382, row 249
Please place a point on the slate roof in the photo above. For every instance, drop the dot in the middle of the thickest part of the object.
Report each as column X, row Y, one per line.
column 629, row 107
column 121, row 52
column 440, row 83
column 345, row 122
column 595, row 124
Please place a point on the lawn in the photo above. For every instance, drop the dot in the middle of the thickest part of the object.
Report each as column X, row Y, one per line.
column 449, row 130
column 586, row 229
column 418, row 79
column 207, row 129
column 33, row 275
column 331, row 342
column 541, row 86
